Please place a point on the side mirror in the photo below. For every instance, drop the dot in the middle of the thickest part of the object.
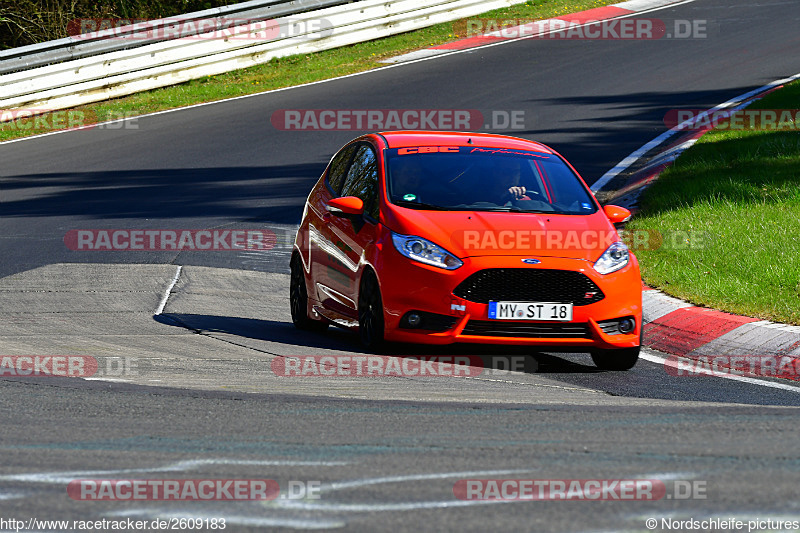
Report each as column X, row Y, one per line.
column 617, row 214
column 346, row 206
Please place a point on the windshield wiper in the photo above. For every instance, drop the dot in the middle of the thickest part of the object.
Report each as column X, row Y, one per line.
column 501, row 208
column 504, row 208
column 420, row 205
column 508, row 209
column 541, row 211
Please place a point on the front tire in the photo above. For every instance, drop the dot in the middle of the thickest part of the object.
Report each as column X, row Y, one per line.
column 370, row 312
column 298, row 299
column 620, row 359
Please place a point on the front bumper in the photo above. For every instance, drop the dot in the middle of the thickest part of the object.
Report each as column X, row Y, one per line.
column 432, row 292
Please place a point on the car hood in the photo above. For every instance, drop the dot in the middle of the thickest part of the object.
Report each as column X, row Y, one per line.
column 481, row 233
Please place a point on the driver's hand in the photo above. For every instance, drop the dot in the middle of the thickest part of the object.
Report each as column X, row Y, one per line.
column 517, row 192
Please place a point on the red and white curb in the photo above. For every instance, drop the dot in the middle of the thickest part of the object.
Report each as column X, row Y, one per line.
column 706, row 335
column 677, row 327
column 543, row 27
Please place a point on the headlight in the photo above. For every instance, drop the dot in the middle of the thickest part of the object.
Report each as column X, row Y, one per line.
column 425, row 251
column 614, row 258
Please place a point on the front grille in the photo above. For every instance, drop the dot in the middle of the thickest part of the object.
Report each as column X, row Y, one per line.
column 500, row 328
column 529, row 285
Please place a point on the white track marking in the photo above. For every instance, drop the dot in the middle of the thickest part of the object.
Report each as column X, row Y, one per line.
column 180, row 466
column 168, row 291
column 753, row 381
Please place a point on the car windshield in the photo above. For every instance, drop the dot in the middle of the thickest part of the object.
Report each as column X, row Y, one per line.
column 452, row 178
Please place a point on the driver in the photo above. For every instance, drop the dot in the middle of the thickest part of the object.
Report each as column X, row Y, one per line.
column 504, row 185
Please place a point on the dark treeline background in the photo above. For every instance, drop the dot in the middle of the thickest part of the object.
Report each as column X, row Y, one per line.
column 32, row 21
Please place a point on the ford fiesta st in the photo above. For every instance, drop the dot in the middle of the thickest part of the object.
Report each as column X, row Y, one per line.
column 443, row 237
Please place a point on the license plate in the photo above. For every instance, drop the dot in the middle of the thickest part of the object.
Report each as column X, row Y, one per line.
column 530, row 311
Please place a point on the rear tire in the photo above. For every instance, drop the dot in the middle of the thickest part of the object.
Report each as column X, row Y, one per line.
column 298, row 299
column 370, row 312
column 621, row 359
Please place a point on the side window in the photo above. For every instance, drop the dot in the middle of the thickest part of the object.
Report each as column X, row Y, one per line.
column 362, row 179
column 338, row 168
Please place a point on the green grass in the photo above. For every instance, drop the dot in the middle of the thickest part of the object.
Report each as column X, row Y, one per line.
column 739, row 193
column 299, row 69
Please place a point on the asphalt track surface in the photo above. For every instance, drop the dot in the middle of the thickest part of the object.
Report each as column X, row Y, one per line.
column 386, row 451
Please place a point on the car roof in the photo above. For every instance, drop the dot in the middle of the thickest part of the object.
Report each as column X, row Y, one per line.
column 401, row 139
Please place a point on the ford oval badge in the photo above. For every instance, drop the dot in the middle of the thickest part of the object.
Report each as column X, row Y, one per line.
column 531, row 261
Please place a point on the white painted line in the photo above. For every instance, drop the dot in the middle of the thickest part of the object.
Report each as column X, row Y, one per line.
column 774, row 325
column 180, row 466
column 668, row 476
column 641, row 5
column 197, row 463
column 448, row 53
column 637, row 154
column 333, row 507
column 655, row 294
column 168, row 291
column 416, row 54
column 753, row 381
column 657, row 6
column 560, row 387
column 339, row 485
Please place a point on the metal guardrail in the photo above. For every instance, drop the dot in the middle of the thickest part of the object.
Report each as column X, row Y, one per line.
column 78, row 47
column 122, row 72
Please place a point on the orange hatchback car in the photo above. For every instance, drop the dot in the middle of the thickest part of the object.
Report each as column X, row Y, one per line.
column 443, row 237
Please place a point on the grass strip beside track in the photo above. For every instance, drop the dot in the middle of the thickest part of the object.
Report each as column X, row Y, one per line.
column 298, row 69
column 737, row 193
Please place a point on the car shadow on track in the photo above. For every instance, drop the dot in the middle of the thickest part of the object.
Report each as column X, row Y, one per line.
column 501, row 357
column 262, row 330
